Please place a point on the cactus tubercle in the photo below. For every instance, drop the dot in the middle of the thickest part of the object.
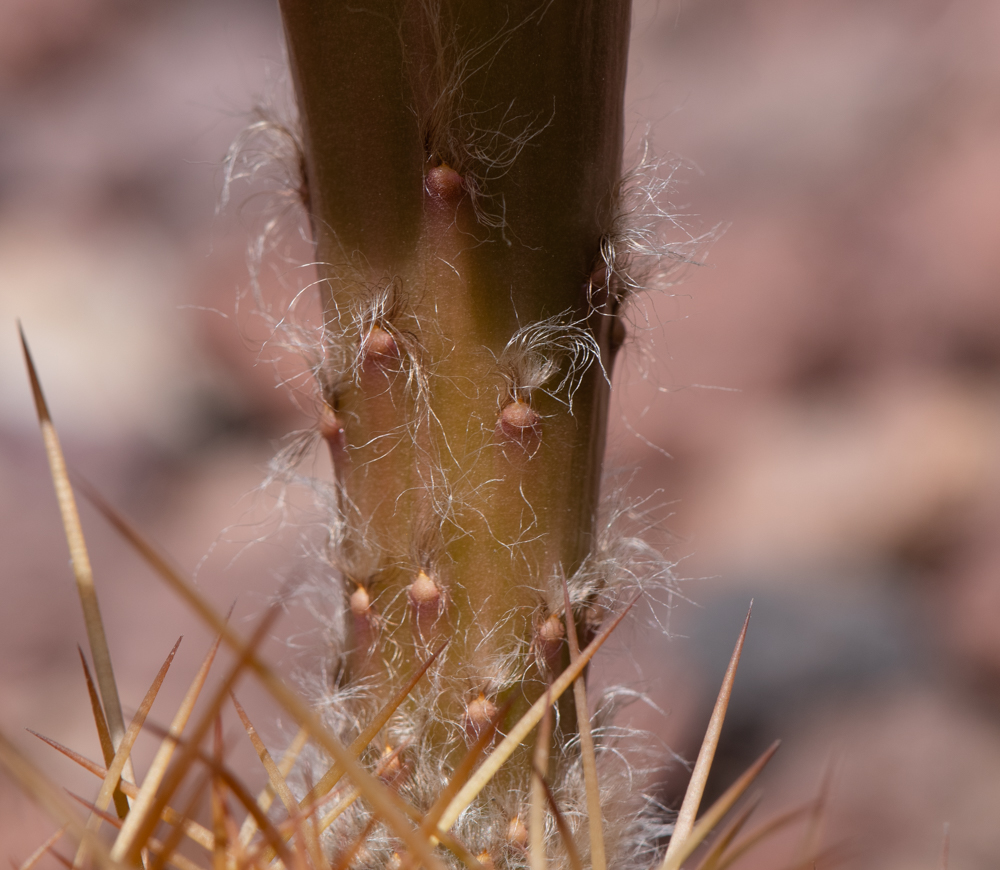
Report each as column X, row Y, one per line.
column 360, row 602
column 519, row 422
column 549, row 638
column 444, row 184
column 427, row 602
column 517, row 833
column 379, row 348
column 331, row 429
column 479, row 715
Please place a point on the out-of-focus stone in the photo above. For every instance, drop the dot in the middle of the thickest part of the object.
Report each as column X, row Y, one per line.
column 100, row 314
column 853, row 479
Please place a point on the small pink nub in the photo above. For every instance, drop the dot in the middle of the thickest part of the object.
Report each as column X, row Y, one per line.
column 424, row 594
column 549, row 641
column 379, row 347
column 330, row 426
column 388, row 765
column 552, row 630
column 443, row 182
column 517, row 834
column 332, row 430
column 360, row 602
column 519, row 422
column 478, row 715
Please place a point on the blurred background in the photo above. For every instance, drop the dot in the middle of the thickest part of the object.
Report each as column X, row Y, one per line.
column 816, row 410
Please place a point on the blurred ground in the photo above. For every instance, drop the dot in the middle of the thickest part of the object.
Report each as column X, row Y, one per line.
column 827, row 387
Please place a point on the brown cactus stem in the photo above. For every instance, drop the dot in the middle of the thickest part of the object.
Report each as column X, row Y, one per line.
column 411, row 185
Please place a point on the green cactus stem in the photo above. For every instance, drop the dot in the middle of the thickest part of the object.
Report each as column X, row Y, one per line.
column 462, row 162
